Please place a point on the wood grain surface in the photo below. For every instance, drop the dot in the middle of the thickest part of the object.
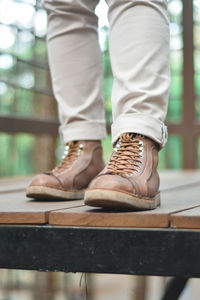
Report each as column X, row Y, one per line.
column 13, row 184
column 171, row 201
column 15, row 208
column 188, row 219
column 180, row 192
column 171, row 179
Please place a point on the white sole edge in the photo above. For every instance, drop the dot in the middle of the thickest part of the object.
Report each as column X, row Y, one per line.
column 41, row 192
column 116, row 199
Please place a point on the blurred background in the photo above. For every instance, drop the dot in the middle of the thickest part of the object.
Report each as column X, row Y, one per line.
column 28, row 128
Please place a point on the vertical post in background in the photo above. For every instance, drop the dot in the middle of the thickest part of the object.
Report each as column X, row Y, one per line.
column 188, row 135
column 45, row 106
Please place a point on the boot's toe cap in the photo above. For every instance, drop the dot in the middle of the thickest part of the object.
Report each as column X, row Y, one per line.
column 111, row 182
column 45, row 180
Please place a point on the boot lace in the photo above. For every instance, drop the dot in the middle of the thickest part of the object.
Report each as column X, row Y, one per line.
column 72, row 151
column 127, row 155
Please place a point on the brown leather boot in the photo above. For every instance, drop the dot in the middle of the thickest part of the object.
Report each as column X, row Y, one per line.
column 130, row 180
column 81, row 163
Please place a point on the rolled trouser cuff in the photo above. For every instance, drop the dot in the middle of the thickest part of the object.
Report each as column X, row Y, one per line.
column 85, row 130
column 141, row 124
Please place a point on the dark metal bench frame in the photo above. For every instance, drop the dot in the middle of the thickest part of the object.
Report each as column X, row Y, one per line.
column 162, row 252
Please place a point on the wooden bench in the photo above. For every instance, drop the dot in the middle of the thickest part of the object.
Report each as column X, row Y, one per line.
column 68, row 236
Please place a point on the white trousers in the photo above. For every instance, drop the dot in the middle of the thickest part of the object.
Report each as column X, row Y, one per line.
column 139, row 53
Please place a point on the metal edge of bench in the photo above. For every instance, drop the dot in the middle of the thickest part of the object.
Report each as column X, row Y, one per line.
column 164, row 252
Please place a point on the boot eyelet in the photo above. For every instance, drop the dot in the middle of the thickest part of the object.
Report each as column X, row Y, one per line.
column 130, row 174
column 116, row 147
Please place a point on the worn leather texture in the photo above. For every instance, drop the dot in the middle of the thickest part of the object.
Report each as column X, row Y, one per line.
column 87, row 163
column 134, row 172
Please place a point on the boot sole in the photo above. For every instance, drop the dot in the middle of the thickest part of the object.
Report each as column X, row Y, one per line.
column 115, row 199
column 41, row 192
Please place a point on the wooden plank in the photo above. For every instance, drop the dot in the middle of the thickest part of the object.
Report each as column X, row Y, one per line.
column 15, row 208
column 170, row 179
column 13, row 184
column 15, row 124
column 171, row 201
column 187, row 219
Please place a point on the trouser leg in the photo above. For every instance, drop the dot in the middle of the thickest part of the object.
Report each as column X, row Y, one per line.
column 139, row 50
column 76, row 68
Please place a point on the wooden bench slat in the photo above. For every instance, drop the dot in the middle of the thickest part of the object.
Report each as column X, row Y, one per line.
column 171, row 202
column 169, row 179
column 172, row 179
column 14, row 184
column 15, row 208
column 188, row 219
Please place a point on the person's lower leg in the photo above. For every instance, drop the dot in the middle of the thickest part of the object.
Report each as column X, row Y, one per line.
column 139, row 49
column 76, row 68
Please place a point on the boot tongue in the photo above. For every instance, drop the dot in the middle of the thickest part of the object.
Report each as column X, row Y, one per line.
column 71, row 143
column 127, row 137
column 70, row 154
